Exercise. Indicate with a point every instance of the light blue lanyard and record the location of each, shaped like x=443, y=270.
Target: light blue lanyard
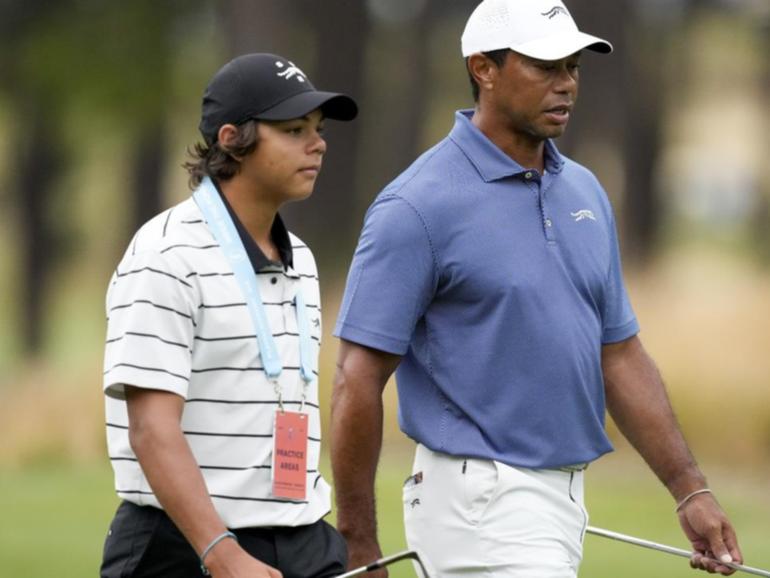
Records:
x=224, y=231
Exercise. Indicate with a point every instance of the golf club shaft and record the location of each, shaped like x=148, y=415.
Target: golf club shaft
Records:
x=381, y=563
x=667, y=549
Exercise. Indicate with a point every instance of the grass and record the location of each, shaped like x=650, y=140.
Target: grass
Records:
x=54, y=519
x=705, y=319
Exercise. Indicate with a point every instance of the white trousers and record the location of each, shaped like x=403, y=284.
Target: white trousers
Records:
x=472, y=517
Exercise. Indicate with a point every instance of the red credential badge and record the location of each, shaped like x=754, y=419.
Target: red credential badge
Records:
x=290, y=455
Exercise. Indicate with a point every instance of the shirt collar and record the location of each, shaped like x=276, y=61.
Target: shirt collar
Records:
x=278, y=233
x=490, y=161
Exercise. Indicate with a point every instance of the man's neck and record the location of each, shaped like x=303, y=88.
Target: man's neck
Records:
x=526, y=150
x=255, y=211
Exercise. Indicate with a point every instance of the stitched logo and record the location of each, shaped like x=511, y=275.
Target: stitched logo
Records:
x=583, y=214
x=415, y=502
x=555, y=11
x=291, y=72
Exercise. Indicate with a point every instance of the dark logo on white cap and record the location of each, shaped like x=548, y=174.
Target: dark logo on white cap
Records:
x=555, y=11
x=292, y=71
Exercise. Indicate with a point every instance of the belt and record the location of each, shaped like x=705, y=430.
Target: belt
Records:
x=573, y=468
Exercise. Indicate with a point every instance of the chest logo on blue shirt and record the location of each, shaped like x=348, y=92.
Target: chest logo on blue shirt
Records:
x=583, y=214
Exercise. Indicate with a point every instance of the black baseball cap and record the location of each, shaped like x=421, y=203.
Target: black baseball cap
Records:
x=265, y=87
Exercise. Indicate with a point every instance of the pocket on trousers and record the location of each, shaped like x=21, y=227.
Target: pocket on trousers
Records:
x=127, y=540
x=479, y=484
x=411, y=496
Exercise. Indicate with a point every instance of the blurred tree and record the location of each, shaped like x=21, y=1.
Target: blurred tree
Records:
x=342, y=28
x=37, y=160
x=103, y=60
x=261, y=26
x=617, y=129
x=129, y=80
x=643, y=95
x=399, y=86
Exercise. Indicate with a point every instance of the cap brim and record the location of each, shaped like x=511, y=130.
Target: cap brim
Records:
x=333, y=105
x=555, y=48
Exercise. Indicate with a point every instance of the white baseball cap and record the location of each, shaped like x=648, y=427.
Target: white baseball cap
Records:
x=542, y=29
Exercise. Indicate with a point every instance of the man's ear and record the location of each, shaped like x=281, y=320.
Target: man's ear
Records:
x=483, y=70
x=226, y=136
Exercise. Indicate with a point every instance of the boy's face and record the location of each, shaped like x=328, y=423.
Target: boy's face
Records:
x=287, y=159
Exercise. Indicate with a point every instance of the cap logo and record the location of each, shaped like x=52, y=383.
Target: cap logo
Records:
x=291, y=72
x=555, y=11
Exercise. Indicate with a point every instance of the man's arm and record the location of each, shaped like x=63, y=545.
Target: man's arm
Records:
x=156, y=437
x=639, y=405
x=356, y=435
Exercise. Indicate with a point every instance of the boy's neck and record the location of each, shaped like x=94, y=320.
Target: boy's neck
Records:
x=255, y=211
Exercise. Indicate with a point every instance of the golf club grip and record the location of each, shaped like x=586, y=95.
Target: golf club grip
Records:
x=667, y=549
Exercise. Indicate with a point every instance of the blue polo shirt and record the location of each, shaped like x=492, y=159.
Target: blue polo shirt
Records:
x=498, y=286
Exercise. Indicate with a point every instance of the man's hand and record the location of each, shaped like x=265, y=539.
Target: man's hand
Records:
x=711, y=534
x=228, y=560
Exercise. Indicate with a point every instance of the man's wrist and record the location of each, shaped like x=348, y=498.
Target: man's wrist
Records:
x=684, y=501
x=685, y=483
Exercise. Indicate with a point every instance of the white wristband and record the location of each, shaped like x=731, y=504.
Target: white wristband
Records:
x=691, y=495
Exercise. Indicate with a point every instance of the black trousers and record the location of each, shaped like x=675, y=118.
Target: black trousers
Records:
x=143, y=542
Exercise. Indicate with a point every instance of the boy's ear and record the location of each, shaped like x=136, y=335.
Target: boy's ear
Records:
x=225, y=137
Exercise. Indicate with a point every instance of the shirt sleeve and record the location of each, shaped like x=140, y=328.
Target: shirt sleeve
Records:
x=151, y=312
x=392, y=278
x=619, y=321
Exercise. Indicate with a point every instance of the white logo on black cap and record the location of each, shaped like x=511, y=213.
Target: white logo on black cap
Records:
x=290, y=72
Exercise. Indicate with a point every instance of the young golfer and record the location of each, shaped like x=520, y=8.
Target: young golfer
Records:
x=489, y=274
x=210, y=369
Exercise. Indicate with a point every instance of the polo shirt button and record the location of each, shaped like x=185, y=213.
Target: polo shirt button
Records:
x=274, y=280
x=548, y=222
x=528, y=175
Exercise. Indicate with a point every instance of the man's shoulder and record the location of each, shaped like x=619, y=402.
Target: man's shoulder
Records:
x=429, y=168
x=426, y=184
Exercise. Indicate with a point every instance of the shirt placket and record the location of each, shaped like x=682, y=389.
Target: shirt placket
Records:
x=540, y=185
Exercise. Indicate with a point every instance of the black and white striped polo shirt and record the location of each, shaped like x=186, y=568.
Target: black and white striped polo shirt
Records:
x=177, y=321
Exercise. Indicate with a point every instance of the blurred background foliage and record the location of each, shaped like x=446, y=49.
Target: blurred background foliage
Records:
x=99, y=101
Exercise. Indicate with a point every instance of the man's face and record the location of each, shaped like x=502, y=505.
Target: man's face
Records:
x=534, y=98
x=288, y=156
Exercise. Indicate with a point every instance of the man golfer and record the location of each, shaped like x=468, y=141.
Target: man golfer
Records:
x=488, y=276
x=210, y=368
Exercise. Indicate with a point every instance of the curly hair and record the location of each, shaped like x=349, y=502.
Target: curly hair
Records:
x=218, y=161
